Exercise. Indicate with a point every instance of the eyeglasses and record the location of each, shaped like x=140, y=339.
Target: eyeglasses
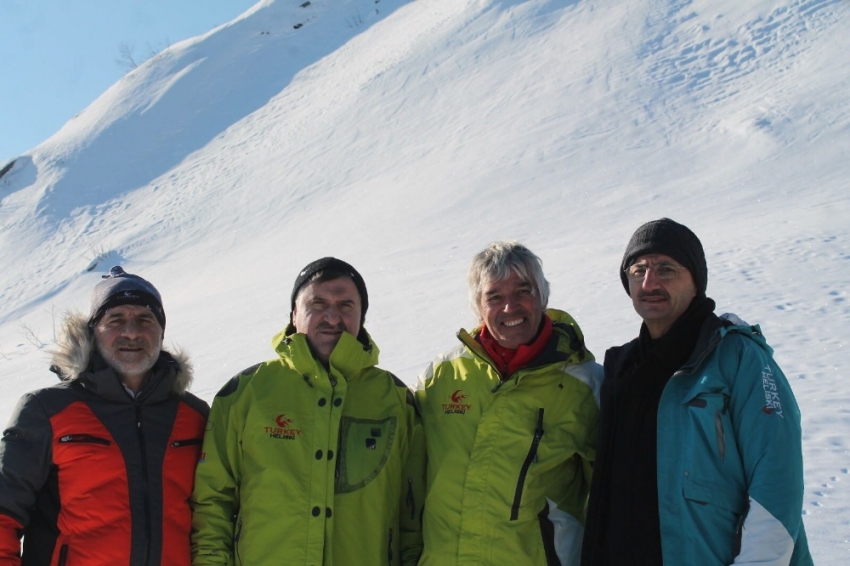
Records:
x=664, y=271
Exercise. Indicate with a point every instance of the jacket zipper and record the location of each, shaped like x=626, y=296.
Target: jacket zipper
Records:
x=718, y=426
x=186, y=442
x=390, y=548
x=739, y=528
x=63, y=555
x=145, y=482
x=721, y=436
x=237, y=535
x=531, y=457
x=410, y=500
x=84, y=438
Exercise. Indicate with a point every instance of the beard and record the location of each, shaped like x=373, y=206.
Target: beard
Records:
x=130, y=363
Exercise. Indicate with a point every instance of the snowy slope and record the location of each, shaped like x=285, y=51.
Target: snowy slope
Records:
x=405, y=136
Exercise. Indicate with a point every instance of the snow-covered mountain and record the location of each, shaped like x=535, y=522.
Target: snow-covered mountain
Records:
x=403, y=136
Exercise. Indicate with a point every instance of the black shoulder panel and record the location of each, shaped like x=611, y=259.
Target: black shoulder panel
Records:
x=197, y=404
x=408, y=393
x=231, y=386
x=397, y=381
x=576, y=344
x=411, y=400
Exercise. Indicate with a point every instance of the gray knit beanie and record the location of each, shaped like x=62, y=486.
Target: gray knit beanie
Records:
x=670, y=238
x=121, y=288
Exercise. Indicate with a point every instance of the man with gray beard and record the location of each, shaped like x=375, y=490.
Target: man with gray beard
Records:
x=99, y=468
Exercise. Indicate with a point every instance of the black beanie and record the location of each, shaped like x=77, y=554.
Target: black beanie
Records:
x=336, y=265
x=670, y=238
x=121, y=288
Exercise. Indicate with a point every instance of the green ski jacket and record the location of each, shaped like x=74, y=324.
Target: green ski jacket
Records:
x=509, y=461
x=306, y=466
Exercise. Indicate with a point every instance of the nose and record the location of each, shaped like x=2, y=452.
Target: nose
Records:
x=332, y=314
x=651, y=280
x=131, y=328
x=510, y=304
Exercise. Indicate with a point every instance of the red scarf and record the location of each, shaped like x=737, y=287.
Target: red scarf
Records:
x=510, y=360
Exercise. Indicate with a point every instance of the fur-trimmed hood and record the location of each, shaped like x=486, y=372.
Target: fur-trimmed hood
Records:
x=72, y=354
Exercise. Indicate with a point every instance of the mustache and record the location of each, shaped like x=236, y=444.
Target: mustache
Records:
x=130, y=343
x=654, y=293
x=327, y=326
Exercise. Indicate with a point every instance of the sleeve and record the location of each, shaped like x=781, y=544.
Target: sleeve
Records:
x=766, y=421
x=25, y=456
x=413, y=492
x=567, y=514
x=215, y=500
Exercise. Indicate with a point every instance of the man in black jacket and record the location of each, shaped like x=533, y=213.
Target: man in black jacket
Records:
x=699, y=459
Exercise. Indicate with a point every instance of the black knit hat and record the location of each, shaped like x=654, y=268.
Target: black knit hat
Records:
x=122, y=288
x=670, y=238
x=334, y=265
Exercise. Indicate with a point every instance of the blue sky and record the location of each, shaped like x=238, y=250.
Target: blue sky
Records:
x=56, y=57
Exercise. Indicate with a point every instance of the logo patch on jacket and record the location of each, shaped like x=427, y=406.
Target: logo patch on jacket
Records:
x=283, y=429
x=457, y=406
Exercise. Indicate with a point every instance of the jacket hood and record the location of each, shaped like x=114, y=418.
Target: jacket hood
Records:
x=72, y=354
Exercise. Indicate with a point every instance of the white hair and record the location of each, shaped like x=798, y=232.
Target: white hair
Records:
x=496, y=262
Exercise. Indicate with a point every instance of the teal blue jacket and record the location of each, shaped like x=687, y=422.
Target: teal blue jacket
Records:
x=730, y=463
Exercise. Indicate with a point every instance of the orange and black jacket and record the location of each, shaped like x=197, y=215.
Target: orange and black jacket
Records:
x=90, y=476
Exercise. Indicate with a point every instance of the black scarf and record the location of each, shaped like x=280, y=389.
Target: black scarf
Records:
x=623, y=525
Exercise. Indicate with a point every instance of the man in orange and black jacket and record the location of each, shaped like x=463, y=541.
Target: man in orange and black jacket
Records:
x=98, y=469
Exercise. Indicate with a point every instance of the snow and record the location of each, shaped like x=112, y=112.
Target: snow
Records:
x=403, y=137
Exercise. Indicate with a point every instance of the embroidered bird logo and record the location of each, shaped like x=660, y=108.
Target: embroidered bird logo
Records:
x=458, y=396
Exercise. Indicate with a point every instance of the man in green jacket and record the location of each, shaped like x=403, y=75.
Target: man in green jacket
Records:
x=510, y=425
x=314, y=457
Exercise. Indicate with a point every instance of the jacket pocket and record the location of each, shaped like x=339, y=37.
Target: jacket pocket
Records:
x=716, y=495
x=83, y=439
x=63, y=555
x=708, y=412
x=529, y=459
x=365, y=446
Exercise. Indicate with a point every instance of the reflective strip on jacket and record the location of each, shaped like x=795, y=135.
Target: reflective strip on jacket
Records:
x=509, y=463
x=303, y=466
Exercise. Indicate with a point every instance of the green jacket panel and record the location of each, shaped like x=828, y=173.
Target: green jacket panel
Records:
x=509, y=462
x=306, y=466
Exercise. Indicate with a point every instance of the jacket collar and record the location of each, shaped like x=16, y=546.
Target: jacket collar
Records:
x=103, y=381
x=566, y=345
x=348, y=359
x=712, y=332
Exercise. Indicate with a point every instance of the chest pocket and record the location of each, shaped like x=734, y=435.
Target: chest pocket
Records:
x=364, y=448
